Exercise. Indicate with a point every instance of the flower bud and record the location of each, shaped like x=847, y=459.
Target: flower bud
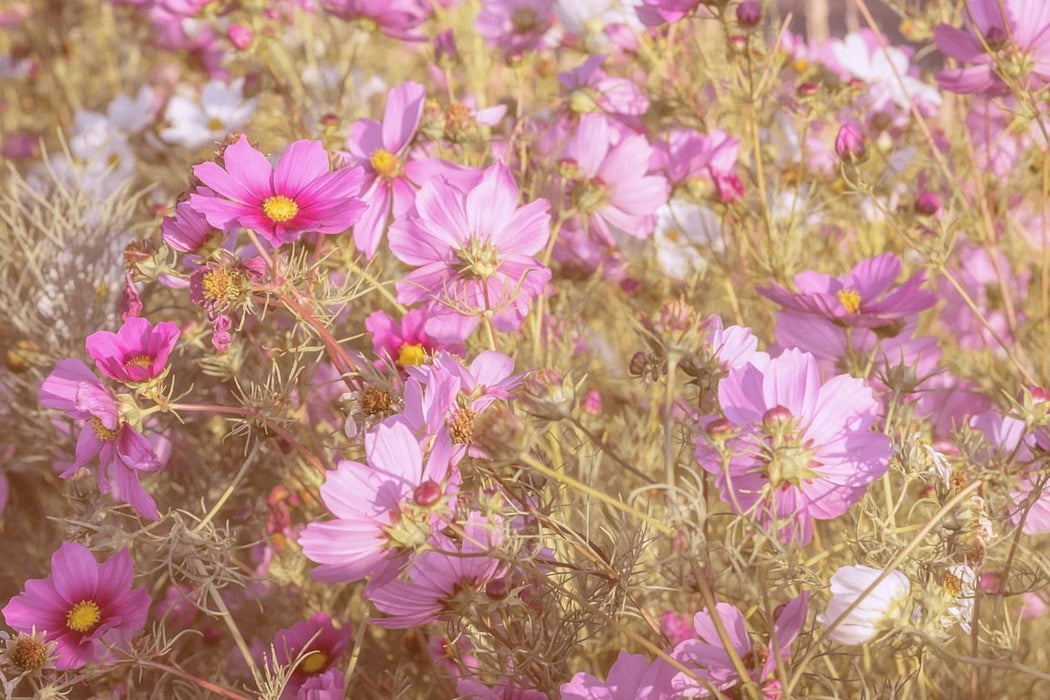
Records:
x=427, y=494
x=850, y=146
x=737, y=44
x=927, y=204
x=497, y=588
x=719, y=428
x=807, y=89
x=749, y=13
x=778, y=415
x=240, y=35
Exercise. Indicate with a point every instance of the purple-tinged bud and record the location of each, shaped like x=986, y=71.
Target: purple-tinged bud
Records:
x=778, y=415
x=996, y=38
x=639, y=364
x=240, y=35
x=1039, y=394
x=427, y=494
x=927, y=204
x=737, y=44
x=497, y=588
x=807, y=89
x=719, y=428
x=849, y=145
x=749, y=13
x=445, y=46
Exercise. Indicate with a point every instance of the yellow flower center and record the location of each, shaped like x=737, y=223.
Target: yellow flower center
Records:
x=215, y=124
x=315, y=662
x=280, y=208
x=953, y=585
x=138, y=361
x=411, y=354
x=84, y=616
x=104, y=434
x=385, y=163
x=478, y=260
x=850, y=300
x=222, y=285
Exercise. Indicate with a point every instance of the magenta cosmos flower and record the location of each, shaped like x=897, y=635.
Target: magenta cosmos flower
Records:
x=136, y=353
x=862, y=298
x=82, y=607
x=516, y=26
x=122, y=451
x=319, y=645
x=406, y=342
x=382, y=510
x=299, y=196
x=631, y=677
x=473, y=249
x=710, y=661
x=800, y=450
x=1009, y=37
x=608, y=181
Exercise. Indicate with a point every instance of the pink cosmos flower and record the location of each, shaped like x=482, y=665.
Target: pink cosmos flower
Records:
x=711, y=661
x=733, y=346
x=136, y=353
x=516, y=26
x=653, y=13
x=473, y=249
x=861, y=298
x=631, y=677
x=398, y=19
x=188, y=230
x=383, y=509
x=440, y=580
x=800, y=450
x=1031, y=496
x=591, y=88
x=687, y=155
x=82, y=607
x=382, y=149
x=981, y=275
x=405, y=342
x=1011, y=36
x=299, y=196
x=608, y=182
x=122, y=450
x=319, y=645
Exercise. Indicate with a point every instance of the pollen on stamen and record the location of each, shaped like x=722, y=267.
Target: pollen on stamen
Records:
x=102, y=432
x=385, y=163
x=84, y=616
x=279, y=208
x=314, y=663
x=850, y=300
x=139, y=361
x=411, y=354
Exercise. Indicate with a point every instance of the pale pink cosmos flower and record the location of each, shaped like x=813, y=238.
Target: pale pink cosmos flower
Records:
x=299, y=196
x=800, y=449
x=1031, y=495
x=443, y=581
x=607, y=180
x=122, y=450
x=317, y=643
x=473, y=249
x=631, y=677
x=1000, y=35
x=83, y=607
x=382, y=150
x=516, y=26
x=981, y=274
x=653, y=13
x=710, y=661
x=590, y=88
x=136, y=353
x=687, y=155
x=382, y=510
x=865, y=297
x=398, y=19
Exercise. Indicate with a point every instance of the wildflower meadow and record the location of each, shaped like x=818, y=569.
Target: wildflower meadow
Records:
x=524, y=349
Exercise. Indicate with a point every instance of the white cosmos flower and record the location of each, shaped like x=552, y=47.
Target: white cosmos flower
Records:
x=222, y=109
x=683, y=230
x=874, y=613
x=959, y=585
x=132, y=114
x=885, y=72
